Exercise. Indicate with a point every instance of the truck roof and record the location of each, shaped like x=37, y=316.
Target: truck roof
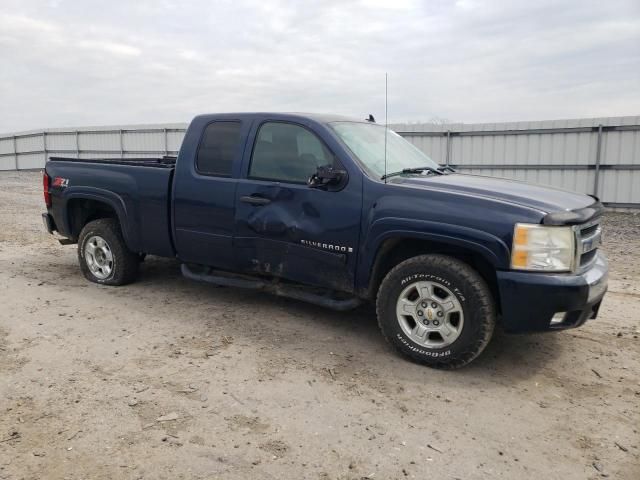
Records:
x=317, y=117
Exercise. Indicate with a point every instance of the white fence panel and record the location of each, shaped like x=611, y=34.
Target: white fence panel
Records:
x=146, y=141
x=61, y=141
x=29, y=161
x=99, y=141
x=598, y=156
x=6, y=145
x=174, y=140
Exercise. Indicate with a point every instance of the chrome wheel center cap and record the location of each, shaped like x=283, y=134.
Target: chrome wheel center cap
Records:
x=430, y=314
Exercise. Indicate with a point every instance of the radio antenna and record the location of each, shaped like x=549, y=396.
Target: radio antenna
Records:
x=386, y=123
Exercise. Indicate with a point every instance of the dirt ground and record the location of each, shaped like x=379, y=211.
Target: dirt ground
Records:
x=172, y=379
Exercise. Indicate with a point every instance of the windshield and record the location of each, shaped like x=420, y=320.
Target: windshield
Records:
x=366, y=141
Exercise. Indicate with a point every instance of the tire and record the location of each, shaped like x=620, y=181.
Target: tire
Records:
x=436, y=310
x=103, y=255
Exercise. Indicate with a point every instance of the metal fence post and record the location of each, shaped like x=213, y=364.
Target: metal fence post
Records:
x=448, y=159
x=598, y=154
x=121, y=144
x=44, y=146
x=77, y=144
x=166, y=141
x=15, y=151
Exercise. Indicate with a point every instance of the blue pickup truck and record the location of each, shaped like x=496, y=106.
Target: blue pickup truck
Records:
x=338, y=212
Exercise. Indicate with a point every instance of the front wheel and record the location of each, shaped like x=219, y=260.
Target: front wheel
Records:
x=437, y=310
x=103, y=255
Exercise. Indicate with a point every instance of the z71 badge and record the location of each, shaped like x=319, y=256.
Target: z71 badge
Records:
x=60, y=182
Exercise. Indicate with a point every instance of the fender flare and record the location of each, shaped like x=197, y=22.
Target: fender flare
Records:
x=491, y=248
x=109, y=198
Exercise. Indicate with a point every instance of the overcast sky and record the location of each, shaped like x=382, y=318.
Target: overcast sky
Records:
x=85, y=62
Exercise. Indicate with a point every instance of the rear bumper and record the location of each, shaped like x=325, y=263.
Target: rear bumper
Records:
x=49, y=224
x=531, y=300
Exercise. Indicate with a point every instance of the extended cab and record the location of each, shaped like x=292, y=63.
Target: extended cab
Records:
x=338, y=212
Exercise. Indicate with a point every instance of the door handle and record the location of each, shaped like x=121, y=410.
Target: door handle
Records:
x=255, y=200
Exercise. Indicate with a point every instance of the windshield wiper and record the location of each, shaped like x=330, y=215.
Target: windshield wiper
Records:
x=445, y=168
x=405, y=171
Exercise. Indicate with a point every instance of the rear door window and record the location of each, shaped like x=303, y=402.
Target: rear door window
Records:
x=218, y=148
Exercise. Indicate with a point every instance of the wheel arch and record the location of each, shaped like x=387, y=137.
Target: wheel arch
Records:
x=395, y=249
x=84, y=207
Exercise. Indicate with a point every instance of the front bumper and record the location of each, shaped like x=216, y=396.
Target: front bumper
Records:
x=531, y=300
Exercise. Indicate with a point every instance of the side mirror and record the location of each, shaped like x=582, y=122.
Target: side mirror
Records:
x=326, y=175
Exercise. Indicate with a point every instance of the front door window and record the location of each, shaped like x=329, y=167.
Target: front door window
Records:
x=289, y=153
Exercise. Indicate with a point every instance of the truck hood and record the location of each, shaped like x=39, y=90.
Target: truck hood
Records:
x=544, y=199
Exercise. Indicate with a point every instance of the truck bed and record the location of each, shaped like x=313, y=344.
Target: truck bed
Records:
x=138, y=190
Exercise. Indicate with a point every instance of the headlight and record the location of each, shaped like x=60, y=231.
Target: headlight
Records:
x=544, y=248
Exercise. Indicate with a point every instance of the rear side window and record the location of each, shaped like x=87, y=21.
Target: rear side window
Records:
x=218, y=148
x=287, y=153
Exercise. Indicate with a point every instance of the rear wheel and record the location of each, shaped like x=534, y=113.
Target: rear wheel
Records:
x=437, y=310
x=103, y=255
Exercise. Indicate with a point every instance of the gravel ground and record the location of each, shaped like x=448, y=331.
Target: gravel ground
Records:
x=167, y=378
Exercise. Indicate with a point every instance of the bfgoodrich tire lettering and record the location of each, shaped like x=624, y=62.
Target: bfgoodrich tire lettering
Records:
x=458, y=288
x=123, y=268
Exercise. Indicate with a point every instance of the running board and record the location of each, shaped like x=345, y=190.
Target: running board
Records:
x=305, y=294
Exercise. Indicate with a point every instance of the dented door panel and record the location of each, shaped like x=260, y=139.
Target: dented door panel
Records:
x=304, y=235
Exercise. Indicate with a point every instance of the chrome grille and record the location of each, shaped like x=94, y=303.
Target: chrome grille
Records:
x=588, y=239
